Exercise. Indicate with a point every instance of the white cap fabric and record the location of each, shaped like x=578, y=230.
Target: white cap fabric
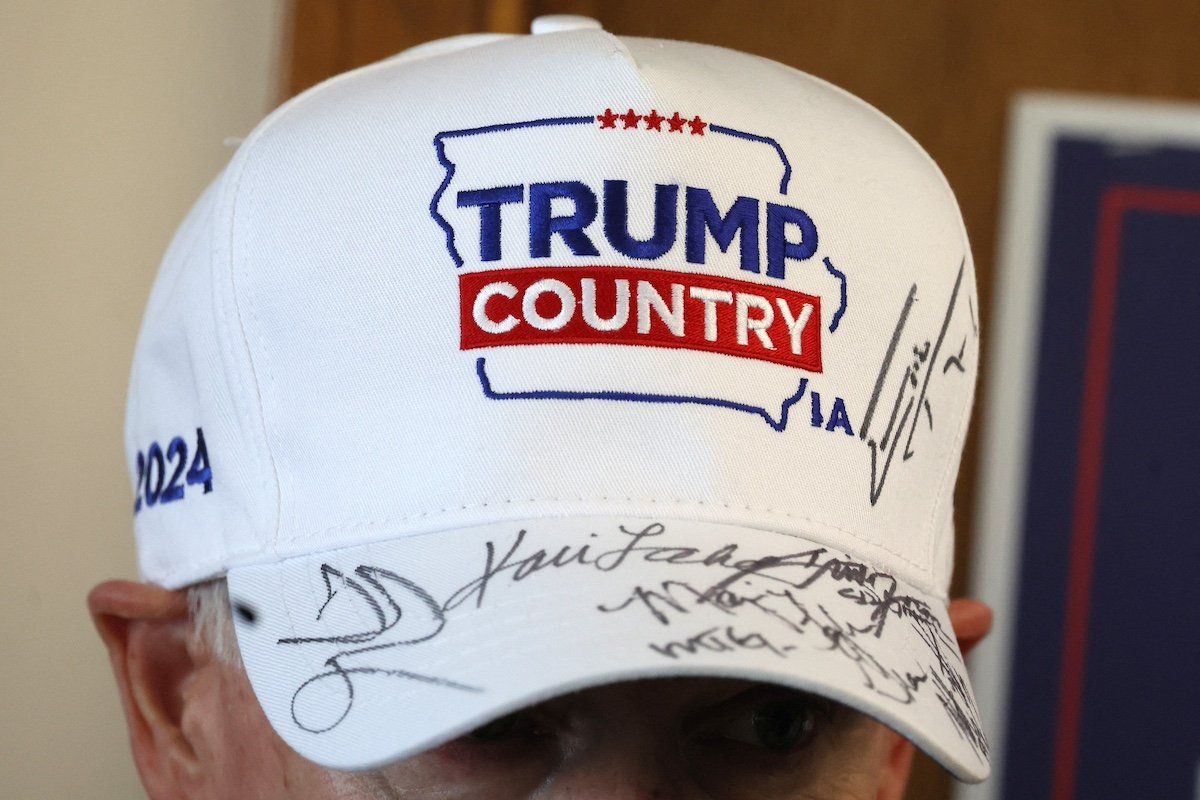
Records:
x=514, y=365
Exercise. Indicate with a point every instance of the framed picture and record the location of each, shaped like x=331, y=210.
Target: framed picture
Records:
x=1088, y=521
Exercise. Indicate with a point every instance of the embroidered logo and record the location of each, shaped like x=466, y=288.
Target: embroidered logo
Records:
x=619, y=237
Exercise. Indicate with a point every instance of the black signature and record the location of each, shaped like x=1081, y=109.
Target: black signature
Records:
x=404, y=614
x=779, y=600
x=781, y=606
x=873, y=592
x=378, y=589
x=717, y=639
x=913, y=396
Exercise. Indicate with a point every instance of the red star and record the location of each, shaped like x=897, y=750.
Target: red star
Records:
x=654, y=121
x=697, y=125
x=630, y=119
x=676, y=122
x=608, y=119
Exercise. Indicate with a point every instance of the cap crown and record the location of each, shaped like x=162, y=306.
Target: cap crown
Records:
x=558, y=275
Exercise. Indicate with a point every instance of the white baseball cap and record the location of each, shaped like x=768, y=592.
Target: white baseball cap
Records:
x=513, y=365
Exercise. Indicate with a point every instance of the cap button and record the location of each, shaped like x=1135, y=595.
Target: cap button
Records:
x=558, y=23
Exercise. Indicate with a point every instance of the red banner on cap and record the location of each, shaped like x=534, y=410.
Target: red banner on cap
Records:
x=639, y=306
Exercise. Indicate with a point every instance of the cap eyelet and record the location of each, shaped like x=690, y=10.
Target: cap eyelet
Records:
x=245, y=613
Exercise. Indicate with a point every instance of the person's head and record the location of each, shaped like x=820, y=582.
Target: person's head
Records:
x=492, y=440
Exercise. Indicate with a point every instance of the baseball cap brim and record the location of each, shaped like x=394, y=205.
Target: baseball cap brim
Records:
x=365, y=655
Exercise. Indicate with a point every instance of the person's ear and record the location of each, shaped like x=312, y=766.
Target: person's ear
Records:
x=898, y=768
x=147, y=632
x=971, y=621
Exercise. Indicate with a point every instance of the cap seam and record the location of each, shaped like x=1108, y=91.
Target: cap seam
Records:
x=234, y=196
x=238, y=172
x=948, y=193
x=233, y=193
x=256, y=557
x=946, y=486
x=511, y=501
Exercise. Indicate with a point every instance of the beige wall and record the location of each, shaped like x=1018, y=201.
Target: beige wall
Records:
x=112, y=117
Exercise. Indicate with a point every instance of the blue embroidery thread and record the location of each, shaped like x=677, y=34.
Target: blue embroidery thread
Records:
x=841, y=276
x=439, y=146
x=779, y=424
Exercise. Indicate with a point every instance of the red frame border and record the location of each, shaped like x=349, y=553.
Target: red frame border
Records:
x=1114, y=204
